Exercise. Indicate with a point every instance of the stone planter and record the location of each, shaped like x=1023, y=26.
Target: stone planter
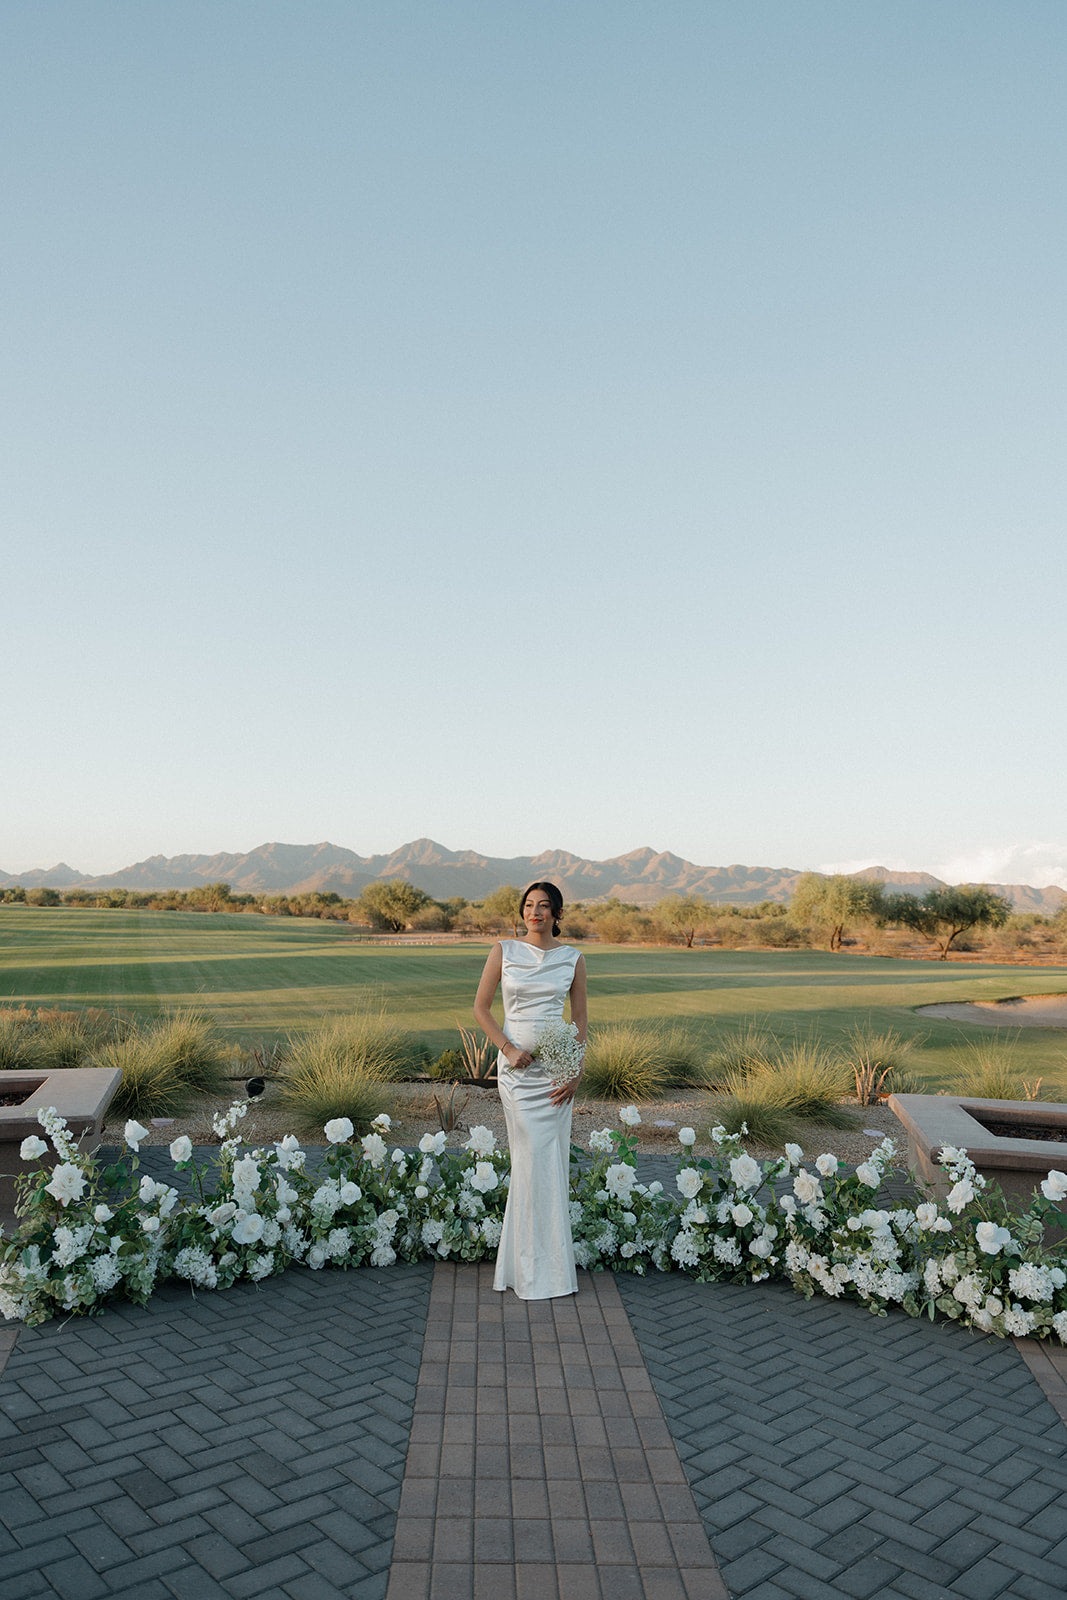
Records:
x=80, y=1094
x=1017, y=1164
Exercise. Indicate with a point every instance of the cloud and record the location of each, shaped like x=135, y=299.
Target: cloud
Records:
x=1037, y=864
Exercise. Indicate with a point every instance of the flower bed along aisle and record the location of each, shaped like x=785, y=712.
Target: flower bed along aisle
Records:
x=90, y=1233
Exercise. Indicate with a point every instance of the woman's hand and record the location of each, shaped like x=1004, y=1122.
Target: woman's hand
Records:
x=516, y=1058
x=565, y=1091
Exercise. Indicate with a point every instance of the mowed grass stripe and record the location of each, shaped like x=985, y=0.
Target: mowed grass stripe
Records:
x=263, y=977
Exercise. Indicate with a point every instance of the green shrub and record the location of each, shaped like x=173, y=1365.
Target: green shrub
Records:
x=988, y=1070
x=750, y=1104
x=16, y=1040
x=623, y=1063
x=449, y=1065
x=874, y=1059
x=341, y=1071
x=809, y=1082
x=188, y=1042
x=152, y=1085
x=682, y=1059
x=750, y=1048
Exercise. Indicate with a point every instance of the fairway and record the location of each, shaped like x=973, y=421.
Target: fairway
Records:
x=262, y=977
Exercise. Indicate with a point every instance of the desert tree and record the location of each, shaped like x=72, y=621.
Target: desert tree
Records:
x=941, y=915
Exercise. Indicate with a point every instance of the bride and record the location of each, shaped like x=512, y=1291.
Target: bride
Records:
x=536, y=975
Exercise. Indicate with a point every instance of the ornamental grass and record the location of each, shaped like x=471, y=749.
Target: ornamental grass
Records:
x=682, y=1058
x=188, y=1041
x=878, y=1063
x=342, y=1070
x=623, y=1062
x=751, y=1106
x=809, y=1082
x=988, y=1070
x=152, y=1082
x=748, y=1049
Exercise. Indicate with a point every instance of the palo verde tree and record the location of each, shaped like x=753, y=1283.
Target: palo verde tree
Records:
x=941, y=915
x=833, y=903
x=391, y=903
x=502, y=905
x=682, y=914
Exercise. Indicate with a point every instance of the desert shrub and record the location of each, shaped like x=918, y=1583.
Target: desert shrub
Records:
x=342, y=1070
x=809, y=1082
x=188, y=1042
x=748, y=1049
x=989, y=1070
x=16, y=1039
x=449, y=1065
x=877, y=1061
x=750, y=1106
x=152, y=1085
x=901, y=1081
x=682, y=1059
x=623, y=1063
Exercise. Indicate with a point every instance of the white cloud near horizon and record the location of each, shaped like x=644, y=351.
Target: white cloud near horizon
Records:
x=1038, y=864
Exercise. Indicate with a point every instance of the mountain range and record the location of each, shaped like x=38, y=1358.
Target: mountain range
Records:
x=642, y=876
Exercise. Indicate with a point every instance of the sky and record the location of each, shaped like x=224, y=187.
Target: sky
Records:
x=535, y=426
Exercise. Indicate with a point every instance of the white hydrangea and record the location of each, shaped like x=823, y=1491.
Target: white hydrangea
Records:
x=492, y=1228
x=338, y=1243
x=260, y=1266
x=70, y=1243
x=105, y=1272
x=196, y=1266
x=728, y=1251
x=601, y=1142
x=1034, y=1281
x=685, y=1249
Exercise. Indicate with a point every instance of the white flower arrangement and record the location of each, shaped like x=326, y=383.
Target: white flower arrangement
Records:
x=87, y=1235
x=559, y=1049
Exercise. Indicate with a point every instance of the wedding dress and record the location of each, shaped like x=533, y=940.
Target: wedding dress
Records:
x=536, y=1254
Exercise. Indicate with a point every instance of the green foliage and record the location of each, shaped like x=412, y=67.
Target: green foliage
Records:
x=747, y=1049
x=750, y=1103
x=50, y=1039
x=16, y=1039
x=341, y=1070
x=623, y=1062
x=941, y=915
x=682, y=1059
x=391, y=904
x=989, y=1070
x=449, y=1065
x=877, y=1060
x=187, y=1039
x=809, y=1082
x=683, y=915
x=833, y=903
x=152, y=1084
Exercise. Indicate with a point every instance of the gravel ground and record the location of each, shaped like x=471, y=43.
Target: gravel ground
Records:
x=414, y=1113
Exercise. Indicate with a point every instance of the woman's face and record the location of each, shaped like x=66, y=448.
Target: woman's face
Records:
x=537, y=911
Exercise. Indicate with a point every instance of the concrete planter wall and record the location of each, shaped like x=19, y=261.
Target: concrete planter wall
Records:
x=1017, y=1165
x=80, y=1094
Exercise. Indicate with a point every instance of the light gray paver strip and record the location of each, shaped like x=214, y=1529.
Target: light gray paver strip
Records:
x=243, y=1443
x=836, y=1454
x=540, y=1466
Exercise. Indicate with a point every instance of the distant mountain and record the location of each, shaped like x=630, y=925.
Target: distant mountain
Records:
x=642, y=876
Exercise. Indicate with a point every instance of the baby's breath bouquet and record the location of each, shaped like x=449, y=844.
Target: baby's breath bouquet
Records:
x=561, y=1050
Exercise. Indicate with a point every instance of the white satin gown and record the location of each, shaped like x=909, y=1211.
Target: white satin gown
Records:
x=536, y=1254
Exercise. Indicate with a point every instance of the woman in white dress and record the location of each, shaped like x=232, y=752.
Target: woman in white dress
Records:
x=536, y=976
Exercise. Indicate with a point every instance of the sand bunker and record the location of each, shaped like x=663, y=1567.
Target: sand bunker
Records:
x=1024, y=1011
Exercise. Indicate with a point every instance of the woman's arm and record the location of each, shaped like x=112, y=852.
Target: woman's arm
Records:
x=580, y=1017
x=483, y=1011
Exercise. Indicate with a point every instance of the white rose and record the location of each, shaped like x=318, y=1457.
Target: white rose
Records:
x=657, y=1188
x=482, y=1141
x=133, y=1133
x=741, y=1215
x=1054, y=1187
x=990, y=1238
x=484, y=1177
x=248, y=1229
x=868, y=1174
x=421, y=1191
x=339, y=1130
x=68, y=1183
x=350, y=1193
x=630, y=1116
x=619, y=1180
x=746, y=1173
x=794, y=1154
x=32, y=1147
x=926, y=1214
x=690, y=1182
x=383, y=1122
x=827, y=1165
x=687, y=1136
x=961, y=1195
x=806, y=1188
x=181, y=1149
x=103, y=1214
x=374, y=1149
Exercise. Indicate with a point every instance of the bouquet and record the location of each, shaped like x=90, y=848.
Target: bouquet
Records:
x=561, y=1050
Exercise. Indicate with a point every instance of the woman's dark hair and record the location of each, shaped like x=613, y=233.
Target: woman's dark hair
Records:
x=555, y=900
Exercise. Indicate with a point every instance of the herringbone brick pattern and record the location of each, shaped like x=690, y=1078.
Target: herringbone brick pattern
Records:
x=832, y=1454
x=245, y=1444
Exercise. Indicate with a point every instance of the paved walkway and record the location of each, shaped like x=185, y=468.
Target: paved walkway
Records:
x=260, y=1443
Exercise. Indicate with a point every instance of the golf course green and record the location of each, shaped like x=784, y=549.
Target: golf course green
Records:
x=263, y=977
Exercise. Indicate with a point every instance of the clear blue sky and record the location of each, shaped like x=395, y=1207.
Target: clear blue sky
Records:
x=533, y=426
